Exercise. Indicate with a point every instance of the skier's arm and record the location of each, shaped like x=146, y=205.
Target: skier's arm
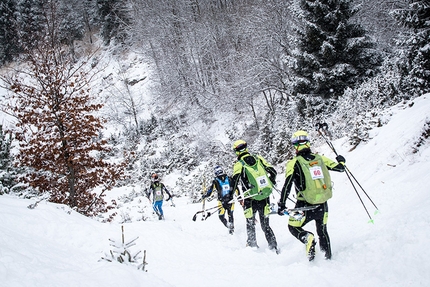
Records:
x=269, y=168
x=286, y=189
x=237, y=171
x=233, y=191
x=210, y=190
x=333, y=165
x=289, y=175
x=149, y=192
x=165, y=190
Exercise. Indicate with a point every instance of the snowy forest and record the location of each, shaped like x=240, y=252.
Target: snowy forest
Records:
x=103, y=93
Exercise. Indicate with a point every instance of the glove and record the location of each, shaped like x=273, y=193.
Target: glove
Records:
x=340, y=159
x=281, y=208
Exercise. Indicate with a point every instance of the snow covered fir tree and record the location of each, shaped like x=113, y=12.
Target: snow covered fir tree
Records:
x=332, y=53
x=97, y=96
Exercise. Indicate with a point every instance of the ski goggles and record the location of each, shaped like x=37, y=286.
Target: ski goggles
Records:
x=241, y=147
x=300, y=140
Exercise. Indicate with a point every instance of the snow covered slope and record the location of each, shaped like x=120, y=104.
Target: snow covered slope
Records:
x=53, y=246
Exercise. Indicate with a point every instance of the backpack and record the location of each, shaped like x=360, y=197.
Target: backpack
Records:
x=158, y=191
x=225, y=187
x=317, y=179
x=261, y=186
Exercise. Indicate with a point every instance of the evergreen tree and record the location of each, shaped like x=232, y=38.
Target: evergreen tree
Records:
x=31, y=19
x=72, y=24
x=8, y=33
x=114, y=18
x=6, y=177
x=415, y=43
x=5, y=145
x=332, y=52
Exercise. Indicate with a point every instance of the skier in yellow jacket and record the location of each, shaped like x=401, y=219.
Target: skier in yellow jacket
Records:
x=309, y=173
x=257, y=178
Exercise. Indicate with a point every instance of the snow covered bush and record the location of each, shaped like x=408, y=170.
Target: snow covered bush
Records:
x=359, y=109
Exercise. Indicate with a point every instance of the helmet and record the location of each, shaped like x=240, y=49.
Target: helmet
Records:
x=240, y=146
x=154, y=177
x=300, y=140
x=218, y=171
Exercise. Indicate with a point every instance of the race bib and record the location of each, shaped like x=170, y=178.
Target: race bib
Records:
x=316, y=172
x=225, y=189
x=262, y=181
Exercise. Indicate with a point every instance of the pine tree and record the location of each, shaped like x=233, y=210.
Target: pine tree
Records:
x=114, y=17
x=5, y=146
x=332, y=52
x=415, y=43
x=8, y=33
x=72, y=25
x=58, y=130
x=6, y=177
x=30, y=21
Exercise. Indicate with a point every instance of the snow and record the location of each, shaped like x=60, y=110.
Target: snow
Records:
x=51, y=245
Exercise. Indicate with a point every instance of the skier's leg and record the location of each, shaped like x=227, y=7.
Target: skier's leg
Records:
x=160, y=207
x=321, y=226
x=306, y=237
x=250, y=223
x=230, y=209
x=263, y=212
x=221, y=214
x=155, y=208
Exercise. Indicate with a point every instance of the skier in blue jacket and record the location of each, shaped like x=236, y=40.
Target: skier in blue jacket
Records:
x=222, y=184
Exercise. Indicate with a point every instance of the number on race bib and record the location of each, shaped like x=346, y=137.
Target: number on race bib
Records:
x=316, y=172
x=262, y=181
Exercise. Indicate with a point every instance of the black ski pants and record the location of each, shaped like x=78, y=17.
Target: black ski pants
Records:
x=258, y=206
x=226, y=207
x=318, y=214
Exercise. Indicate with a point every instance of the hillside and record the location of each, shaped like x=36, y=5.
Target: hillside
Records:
x=53, y=246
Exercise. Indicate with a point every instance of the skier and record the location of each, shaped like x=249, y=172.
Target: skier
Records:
x=256, y=177
x=157, y=189
x=309, y=173
x=221, y=184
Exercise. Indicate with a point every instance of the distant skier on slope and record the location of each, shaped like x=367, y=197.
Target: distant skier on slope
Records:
x=222, y=184
x=309, y=173
x=157, y=189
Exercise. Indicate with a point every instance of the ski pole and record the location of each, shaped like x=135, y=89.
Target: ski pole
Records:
x=349, y=173
x=359, y=197
x=274, y=187
x=204, y=199
x=210, y=213
x=202, y=211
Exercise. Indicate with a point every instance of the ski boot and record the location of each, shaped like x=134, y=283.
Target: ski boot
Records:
x=276, y=249
x=230, y=227
x=310, y=247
